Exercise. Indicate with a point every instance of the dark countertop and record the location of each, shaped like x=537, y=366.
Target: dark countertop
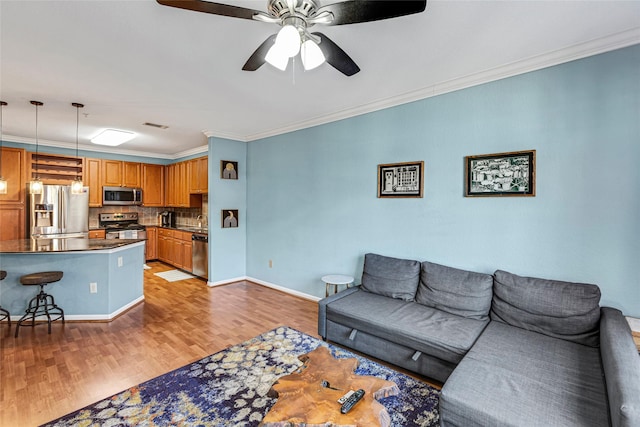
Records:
x=26, y=246
x=186, y=228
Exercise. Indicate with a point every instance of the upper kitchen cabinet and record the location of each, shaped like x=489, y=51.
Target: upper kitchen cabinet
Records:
x=12, y=205
x=93, y=173
x=117, y=173
x=198, y=175
x=178, y=187
x=12, y=169
x=152, y=185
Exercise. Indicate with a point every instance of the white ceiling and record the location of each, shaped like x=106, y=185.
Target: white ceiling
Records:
x=132, y=62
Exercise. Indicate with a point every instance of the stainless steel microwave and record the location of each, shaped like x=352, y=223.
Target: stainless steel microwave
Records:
x=121, y=196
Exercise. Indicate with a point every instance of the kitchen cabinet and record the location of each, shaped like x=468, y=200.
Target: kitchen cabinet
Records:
x=97, y=234
x=93, y=174
x=13, y=167
x=174, y=248
x=198, y=175
x=12, y=218
x=117, y=173
x=152, y=185
x=151, y=248
x=177, y=185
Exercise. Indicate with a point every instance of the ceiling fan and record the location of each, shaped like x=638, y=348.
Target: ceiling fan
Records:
x=296, y=17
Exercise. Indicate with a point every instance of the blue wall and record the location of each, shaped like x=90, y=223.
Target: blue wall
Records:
x=117, y=286
x=227, y=246
x=313, y=208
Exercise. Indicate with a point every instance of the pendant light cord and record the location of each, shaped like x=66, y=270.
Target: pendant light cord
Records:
x=2, y=104
x=78, y=107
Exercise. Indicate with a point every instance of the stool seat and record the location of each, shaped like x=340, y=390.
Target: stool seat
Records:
x=41, y=278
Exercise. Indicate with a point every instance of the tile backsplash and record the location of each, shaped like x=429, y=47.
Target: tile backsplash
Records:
x=151, y=216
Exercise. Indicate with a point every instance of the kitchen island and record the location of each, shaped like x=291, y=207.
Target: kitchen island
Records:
x=102, y=278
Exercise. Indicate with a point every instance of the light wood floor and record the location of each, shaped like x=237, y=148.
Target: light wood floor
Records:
x=43, y=377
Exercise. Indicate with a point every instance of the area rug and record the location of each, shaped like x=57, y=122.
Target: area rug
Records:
x=229, y=388
x=174, y=275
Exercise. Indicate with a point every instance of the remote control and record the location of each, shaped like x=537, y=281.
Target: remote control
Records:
x=351, y=401
x=345, y=397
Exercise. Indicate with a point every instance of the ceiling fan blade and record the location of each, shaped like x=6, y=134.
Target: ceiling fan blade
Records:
x=336, y=57
x=355, y=11
x=214, y=8
x=257, y=59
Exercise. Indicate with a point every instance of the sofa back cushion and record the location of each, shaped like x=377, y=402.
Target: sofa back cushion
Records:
x=564, y=310
x=391, y=277
x=464, y=293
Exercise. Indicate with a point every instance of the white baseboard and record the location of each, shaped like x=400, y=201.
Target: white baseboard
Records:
x=285, y=290
x=95, y=317
x=226, y=281
x=267, y=284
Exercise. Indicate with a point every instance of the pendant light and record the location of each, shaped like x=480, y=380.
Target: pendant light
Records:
x=35, y=186
x=3, y=182
x=77, y=187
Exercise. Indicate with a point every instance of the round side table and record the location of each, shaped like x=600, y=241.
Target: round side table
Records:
x=335, y=280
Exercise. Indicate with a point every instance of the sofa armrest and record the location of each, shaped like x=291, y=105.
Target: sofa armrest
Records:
x=621, y=365
x=322, y=308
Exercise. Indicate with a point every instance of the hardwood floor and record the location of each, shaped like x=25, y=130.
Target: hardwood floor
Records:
x=43, y=376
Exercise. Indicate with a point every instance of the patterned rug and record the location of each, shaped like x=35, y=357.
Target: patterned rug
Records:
x=229, y=388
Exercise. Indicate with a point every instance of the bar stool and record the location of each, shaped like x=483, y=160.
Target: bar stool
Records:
x=43, y=303
x=4, y=314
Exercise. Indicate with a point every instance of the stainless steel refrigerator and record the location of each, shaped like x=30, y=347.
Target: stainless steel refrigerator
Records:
x=57, y=213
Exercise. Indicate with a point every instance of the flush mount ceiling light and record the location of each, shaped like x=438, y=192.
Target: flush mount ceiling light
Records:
x=113, y=137
x=295, y=17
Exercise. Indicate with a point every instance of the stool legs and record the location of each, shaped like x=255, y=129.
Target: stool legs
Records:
x=42, y=304
x=4, y=314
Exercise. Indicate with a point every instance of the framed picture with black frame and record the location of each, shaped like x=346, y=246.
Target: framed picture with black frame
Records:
x=228, y=169
x=501, y=174
x=396, y=180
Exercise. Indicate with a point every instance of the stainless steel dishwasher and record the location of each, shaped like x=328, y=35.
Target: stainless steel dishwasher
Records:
x=200, y=254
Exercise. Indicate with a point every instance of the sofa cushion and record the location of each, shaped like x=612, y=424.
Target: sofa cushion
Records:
x=455, y=291
x=515, y=377
x=565, y=310
x=410, y=324
x=391, y=277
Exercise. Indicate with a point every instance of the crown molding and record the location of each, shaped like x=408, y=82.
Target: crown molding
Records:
x=223, y=135
x=191, y=152
x=98, y=149
x=538, y=62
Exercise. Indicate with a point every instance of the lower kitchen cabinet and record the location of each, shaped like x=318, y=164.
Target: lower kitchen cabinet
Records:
x=97, y=234
x=174, y=248
x=151, y=248
x=12, y=218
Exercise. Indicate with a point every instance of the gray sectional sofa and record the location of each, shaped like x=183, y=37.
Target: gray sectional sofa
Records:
x=510, y=350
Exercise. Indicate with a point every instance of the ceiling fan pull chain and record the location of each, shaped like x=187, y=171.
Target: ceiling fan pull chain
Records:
x=293, y=71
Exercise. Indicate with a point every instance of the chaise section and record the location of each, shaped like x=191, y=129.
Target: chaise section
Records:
x=516, y=377
x=412, y=326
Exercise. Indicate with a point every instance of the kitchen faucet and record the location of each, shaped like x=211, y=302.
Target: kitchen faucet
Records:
x=199, y=218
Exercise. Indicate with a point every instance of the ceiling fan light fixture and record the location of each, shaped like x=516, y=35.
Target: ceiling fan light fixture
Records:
x=277, y=58
x=113, y=137
x=288, y=40
x=312, y=56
